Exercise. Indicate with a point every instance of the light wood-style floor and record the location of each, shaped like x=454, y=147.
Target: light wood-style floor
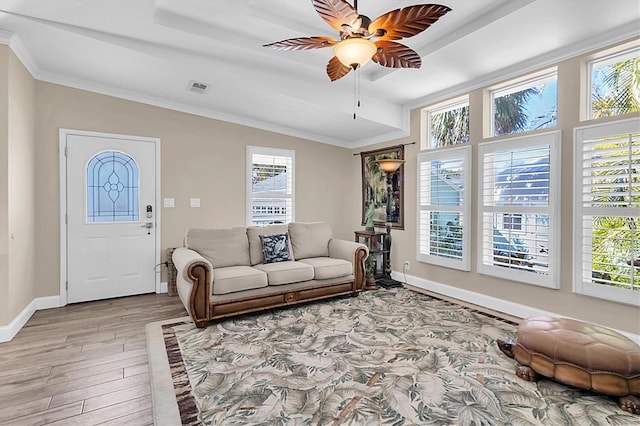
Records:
x=83, y=364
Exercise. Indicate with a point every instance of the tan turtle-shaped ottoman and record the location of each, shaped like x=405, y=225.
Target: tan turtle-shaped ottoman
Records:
x=579, y=354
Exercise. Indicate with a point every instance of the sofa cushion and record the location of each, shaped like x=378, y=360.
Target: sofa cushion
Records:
x=280, y=273
x=327, y=267
x=255, y=245
x=310, y=239
x=221, y=247
x=275, y=248
x=237, y=278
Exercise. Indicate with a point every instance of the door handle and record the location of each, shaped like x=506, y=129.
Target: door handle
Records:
x=147, y=225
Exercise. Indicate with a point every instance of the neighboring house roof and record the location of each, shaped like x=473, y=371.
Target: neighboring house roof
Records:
x=274, y=183
x=525, y=183
x=443, y=185
x=456, y=183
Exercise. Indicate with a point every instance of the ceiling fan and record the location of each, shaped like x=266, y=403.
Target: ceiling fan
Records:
x=362, y=39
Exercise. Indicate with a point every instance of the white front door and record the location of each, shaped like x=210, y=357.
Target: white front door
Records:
x=111, y=215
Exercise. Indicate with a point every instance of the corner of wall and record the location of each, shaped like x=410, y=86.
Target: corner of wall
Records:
x=8, y=332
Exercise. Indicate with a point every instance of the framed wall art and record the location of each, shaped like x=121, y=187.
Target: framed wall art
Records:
x=374, y=187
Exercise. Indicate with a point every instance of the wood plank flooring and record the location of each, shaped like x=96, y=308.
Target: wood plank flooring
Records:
x=83, y=364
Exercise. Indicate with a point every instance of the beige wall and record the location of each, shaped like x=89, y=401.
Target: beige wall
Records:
x=22, y=211
x=562, y=301
x=205, y=158
x=4, y=185
x=17, y=146
x=201, y=158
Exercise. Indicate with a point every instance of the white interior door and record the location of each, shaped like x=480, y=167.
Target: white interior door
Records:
x=111, y=216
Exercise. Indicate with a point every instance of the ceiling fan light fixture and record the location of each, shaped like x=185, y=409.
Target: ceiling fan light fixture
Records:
x=354, y=47
x=355, y=52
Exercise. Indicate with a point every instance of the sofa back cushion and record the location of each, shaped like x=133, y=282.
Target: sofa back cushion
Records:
x=221, y=247
x=310, y=239
x=255, y=244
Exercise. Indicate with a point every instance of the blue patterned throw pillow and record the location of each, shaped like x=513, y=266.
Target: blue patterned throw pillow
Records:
x=275, y=248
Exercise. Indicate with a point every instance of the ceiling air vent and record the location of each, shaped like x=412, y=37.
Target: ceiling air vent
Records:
x=198, y=87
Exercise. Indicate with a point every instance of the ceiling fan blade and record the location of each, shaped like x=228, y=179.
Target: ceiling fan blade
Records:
x=302, y=43
x=335, y=12
x=336, y=69
x=395, y=55
x=407, y=22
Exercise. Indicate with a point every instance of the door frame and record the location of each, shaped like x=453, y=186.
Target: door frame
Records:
x=63, y=133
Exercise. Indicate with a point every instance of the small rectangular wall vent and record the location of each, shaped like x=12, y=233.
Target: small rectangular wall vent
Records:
x=198, y=87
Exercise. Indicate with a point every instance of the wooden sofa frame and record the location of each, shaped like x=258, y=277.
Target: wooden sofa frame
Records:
x=203, y=309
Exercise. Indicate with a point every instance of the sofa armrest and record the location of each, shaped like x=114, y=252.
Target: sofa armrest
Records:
x=356, y=253
x=343, y=249
x=193, y=283
x=183, y=258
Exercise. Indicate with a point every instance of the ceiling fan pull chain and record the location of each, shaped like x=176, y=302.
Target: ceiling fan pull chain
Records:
x=356, y=92
x=358, y=85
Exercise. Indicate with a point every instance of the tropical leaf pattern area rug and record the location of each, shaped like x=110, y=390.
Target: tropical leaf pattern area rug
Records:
x=387, y=357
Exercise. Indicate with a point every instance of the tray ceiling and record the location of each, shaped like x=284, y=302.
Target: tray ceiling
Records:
x=151, y=51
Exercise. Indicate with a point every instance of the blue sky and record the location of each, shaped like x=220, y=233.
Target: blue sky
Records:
x=543, y=107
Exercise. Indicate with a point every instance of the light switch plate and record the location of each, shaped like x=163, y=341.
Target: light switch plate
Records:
x=195, y=202
x=169, y=202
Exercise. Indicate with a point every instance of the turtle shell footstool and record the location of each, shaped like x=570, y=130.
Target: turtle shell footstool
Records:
x=579, y=354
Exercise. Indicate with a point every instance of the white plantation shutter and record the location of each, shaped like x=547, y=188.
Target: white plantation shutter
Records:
x=270, y=185
x=607, y=209
x=444, y=207
x=519, y=210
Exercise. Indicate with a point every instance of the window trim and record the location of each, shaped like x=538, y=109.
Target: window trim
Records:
x=276, y=152
x=554, y=140
x=580, y=134
x=464, y=151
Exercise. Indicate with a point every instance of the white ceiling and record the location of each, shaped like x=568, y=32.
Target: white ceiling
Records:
x=149, y=51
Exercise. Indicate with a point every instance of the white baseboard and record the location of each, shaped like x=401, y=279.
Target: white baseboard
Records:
x=511, y=308
x=8, y=332
x=48, y=302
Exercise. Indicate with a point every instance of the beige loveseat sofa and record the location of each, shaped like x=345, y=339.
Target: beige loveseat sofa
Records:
x=224, y=272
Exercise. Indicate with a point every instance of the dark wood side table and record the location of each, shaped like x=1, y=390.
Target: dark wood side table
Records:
x=375, y=241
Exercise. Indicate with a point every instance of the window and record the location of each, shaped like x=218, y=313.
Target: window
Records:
x=112, y=188
x=444, y=205
x=519, y=211
x=526, y=105
x=615, y=87
x=270, y=189
x=446, y=124
x=607, y=211
x=512, y=221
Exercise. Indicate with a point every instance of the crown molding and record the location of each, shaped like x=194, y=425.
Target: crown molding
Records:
x=5, y=37
x=600, y=41
x=20, y=50
x=585, y=46
x=18, y=47
x=182, y=107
